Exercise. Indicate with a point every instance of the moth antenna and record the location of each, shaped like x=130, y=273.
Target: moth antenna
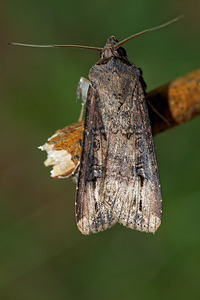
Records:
x=147, y=30
x=56, y=46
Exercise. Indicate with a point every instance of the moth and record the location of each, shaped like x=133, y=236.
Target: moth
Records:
x=118, y=178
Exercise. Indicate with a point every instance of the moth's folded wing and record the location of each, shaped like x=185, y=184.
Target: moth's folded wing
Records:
x=92, y=212
x=132, y=186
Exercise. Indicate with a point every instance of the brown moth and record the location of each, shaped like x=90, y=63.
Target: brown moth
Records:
x=118, y=178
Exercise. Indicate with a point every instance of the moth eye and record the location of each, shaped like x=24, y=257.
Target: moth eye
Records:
x=121, y=51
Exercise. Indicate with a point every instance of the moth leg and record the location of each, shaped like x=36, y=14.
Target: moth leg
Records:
x=76, y=169
x=82, y=93
x=159, y=114
x=75, y=173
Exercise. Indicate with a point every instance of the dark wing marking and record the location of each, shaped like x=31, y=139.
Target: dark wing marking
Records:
x=92, y=212
x=132, y=186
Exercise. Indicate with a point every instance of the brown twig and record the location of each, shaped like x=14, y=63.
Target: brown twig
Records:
x=177, y=101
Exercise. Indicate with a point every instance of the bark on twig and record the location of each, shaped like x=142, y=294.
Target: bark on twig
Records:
x=177, y=101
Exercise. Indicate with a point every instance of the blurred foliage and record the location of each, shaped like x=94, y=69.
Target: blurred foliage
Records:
x=42, y=254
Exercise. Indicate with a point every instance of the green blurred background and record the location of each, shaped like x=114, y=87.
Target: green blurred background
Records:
x=42, y=253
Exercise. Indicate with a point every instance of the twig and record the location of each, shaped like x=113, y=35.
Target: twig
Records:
x=177, y=101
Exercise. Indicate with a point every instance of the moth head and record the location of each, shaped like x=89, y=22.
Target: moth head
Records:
x=110, y=49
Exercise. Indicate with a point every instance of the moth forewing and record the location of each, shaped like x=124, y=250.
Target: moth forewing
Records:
x=118, y=179
x=92, y=213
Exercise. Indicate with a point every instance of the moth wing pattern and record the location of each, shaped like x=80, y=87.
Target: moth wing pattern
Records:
x=93, y=214
x=118, y=179
x=132, y=185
